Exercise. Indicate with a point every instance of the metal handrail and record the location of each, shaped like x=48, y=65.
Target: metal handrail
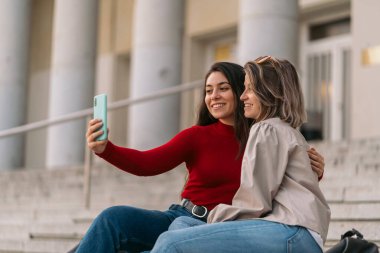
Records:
x=87, y=113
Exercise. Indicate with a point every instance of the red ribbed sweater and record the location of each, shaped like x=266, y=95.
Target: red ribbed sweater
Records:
x=209, y=152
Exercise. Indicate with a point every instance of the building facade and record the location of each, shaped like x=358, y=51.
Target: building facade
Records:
x=55, y=55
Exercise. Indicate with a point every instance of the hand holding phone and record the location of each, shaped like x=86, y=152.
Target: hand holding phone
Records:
x=100, y=112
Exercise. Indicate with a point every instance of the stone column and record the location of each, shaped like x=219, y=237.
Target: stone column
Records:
x=268, y=27
x=72, y=78
x=155, y=65
x=14, y=31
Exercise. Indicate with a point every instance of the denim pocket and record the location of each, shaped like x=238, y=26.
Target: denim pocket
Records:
x=302, y=242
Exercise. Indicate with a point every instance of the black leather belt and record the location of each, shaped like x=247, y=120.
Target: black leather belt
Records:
x=200, y=212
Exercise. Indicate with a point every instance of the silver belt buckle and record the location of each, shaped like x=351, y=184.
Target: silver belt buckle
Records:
x=199, y=216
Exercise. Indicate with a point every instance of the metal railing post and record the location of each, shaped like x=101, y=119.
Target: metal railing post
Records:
x=87, y=174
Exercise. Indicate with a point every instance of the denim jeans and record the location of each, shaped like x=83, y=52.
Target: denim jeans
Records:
x=253, y=236
x=128, y=229
x=185, y=222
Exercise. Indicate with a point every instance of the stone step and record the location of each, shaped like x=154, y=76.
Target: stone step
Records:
x=361, y=170
x=148, y=185
x=109, y=187
x=36, y=246
x=355, y=211
x=142, y=197
x=149, y=202
x=14, y=232
x=99, y=186
x=347, y=182
x=154, y=188
x=22, y=176
x=364, y=146
x=20, y=217
x=350, y=194
x=46, y=206
x=42, y=231
x=138, y=196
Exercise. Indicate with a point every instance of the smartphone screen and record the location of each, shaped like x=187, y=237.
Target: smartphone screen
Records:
x=100, y=112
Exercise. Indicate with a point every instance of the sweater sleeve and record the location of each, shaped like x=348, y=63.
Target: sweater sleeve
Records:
x=155, y=161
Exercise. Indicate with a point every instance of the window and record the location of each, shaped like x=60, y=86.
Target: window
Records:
x=330, y=29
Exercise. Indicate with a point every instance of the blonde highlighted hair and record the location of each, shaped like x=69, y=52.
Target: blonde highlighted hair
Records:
x=276, y=85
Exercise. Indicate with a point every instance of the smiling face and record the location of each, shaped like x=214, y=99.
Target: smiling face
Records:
x=252, y=106
x=220, y=98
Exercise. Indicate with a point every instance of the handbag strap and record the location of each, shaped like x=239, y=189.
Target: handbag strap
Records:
x=351, y=233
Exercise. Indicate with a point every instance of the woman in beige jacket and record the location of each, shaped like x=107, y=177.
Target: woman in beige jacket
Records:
x=279, y=206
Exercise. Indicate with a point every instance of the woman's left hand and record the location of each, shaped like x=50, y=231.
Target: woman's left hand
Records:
x=317, y=162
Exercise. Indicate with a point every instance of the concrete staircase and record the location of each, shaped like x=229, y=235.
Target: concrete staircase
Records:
x=43, y=211
x=350, y=183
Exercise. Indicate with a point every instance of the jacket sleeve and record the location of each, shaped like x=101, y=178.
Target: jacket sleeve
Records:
x=154, y=161
x=264, y=165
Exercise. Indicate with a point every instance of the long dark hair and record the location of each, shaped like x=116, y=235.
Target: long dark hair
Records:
x=235, y=76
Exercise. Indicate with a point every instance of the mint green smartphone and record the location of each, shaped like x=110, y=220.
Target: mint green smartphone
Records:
x=100, y=112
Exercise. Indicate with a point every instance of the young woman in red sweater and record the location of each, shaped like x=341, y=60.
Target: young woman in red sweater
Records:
x=212, y=151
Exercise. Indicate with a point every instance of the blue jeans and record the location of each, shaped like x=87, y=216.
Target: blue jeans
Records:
x=185, y=222
x=253, y=236
x=128, y=229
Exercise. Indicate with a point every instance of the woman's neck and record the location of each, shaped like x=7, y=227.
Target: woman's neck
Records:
x=226, y=122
